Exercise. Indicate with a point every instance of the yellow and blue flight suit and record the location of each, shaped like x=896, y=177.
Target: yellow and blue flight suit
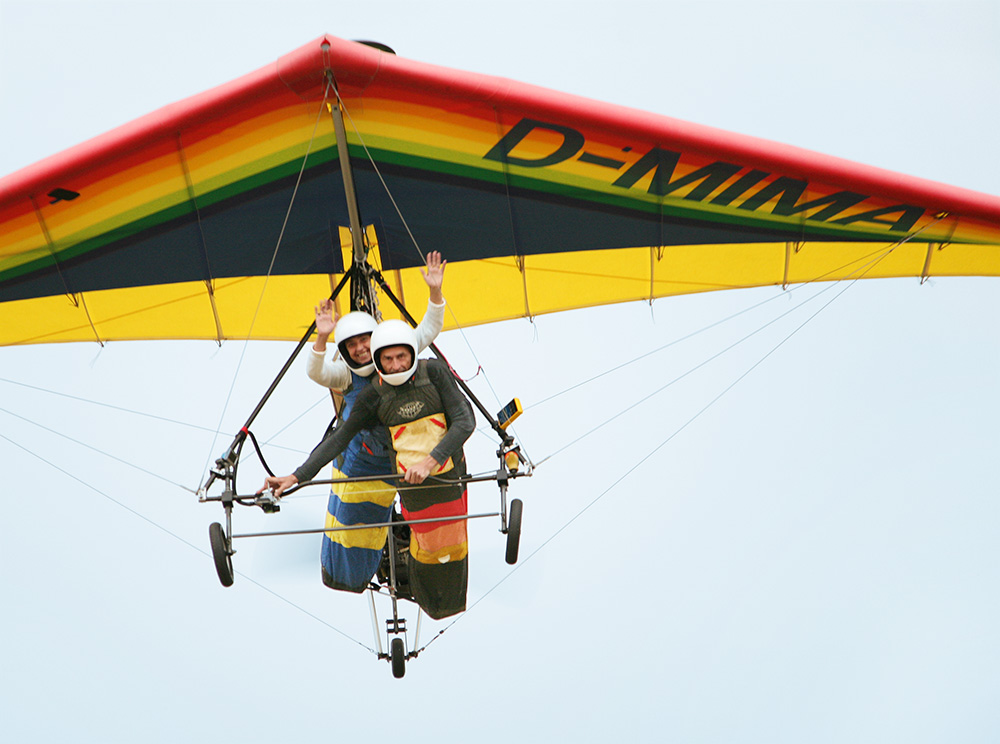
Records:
x=426, y=415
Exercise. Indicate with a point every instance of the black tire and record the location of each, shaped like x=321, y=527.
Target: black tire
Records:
x=397, y=652
x=220, y=553
x=513, y=530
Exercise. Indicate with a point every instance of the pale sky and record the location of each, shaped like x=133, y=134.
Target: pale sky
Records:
x=812, y=559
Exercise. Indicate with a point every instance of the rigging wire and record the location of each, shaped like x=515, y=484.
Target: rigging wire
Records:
x=664, y=347
x=301, y=609
x=174, y=535
x=682, y=376
x=295, y=420
x=669, y=438
x=269, y=441
x=270, y=268
x=110, y=405
x=133, y=412
x=693, y=334
x=875, y=257
x=624, y=475
x=98, y=451
x=98, y=491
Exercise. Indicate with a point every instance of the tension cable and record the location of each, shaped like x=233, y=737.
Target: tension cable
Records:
x=662, y=444
x=270, y=268
x=95, y=449
x=172, y=534
x=863, y=269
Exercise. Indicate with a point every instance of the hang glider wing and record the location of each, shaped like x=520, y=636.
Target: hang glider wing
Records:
x=224, y=215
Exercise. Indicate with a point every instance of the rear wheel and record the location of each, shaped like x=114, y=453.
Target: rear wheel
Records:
x=220, y=553
x=514, y=530
x=397, y=652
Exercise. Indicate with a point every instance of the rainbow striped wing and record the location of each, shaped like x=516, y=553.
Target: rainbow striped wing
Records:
x=224, y=216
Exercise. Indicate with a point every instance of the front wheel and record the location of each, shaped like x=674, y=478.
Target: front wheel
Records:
x=220, y=553
x=397, y=652
x=514, y=530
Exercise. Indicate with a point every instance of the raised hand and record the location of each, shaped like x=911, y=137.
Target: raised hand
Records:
x=326, y=318
x=434, y=276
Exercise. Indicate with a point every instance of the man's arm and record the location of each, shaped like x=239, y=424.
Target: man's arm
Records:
x=332, y=374
x=461, y=421
x=433, y=320
x=363, y=416
x=430, y=325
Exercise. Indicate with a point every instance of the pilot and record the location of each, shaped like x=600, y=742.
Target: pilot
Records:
x=349, y=558
x=427, y=420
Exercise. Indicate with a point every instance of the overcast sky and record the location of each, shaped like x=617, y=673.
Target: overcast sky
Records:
x=811, y=558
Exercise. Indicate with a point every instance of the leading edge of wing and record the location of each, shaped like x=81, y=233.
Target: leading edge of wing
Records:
x=359, y=67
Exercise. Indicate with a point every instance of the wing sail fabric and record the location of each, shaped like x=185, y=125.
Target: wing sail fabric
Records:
x=174, y=226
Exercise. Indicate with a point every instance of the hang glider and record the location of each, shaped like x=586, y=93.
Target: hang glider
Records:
x=229, y=214
x=171, y=226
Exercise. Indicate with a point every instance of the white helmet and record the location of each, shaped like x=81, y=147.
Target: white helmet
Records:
x=394, y=333
x=354, y=324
